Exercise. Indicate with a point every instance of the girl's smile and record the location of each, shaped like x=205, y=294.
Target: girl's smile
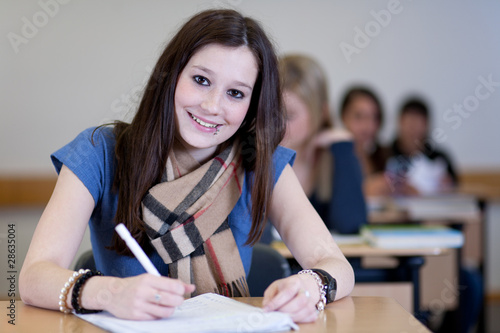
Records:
x=205, y=125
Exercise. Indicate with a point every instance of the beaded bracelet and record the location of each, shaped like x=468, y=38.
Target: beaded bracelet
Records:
x=67, y=286
x=75, y=296
x=320, y=306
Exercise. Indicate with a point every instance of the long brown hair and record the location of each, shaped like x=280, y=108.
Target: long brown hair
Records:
x=143, y=145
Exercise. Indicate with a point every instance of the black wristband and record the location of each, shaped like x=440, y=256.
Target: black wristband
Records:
x=329, y=282
x=75, y=295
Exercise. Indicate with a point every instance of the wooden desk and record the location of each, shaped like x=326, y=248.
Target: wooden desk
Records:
x=462, y=210
x=351, y=314
x=483, y=185
x=365, y=250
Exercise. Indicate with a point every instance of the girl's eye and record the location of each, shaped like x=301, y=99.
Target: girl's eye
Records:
x=235, y=93
x=201, y=80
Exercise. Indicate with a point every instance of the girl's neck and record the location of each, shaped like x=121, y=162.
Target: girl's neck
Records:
x=202, y=155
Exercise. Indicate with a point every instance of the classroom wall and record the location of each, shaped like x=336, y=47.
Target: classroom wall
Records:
x=16, y=229
x=67, y=65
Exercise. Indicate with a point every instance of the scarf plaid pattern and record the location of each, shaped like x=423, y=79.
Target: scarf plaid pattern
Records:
x=186, y=221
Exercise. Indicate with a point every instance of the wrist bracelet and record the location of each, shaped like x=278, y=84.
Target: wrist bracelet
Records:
x=329, y=282
x=75, y=296
x=320, y=306
x=67, y=286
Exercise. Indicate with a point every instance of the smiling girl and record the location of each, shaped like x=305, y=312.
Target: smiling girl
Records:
x=193, y=177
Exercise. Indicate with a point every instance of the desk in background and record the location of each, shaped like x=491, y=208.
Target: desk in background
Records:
x=459, y=211
x=463, y=210
x=365, y=250
x=447, y=208
x=410, y=261
x=351, y=314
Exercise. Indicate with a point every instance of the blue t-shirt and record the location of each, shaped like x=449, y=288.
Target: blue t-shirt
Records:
x=92, y=159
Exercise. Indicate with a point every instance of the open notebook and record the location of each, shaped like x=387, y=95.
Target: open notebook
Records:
x=203, y=313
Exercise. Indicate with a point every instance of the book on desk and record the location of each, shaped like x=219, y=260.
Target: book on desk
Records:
x=412, y=236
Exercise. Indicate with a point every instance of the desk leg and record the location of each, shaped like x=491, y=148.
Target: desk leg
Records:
x=482, y=320
x=413, y=265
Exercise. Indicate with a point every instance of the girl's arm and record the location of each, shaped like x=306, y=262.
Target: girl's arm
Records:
x=53, y=247
x=311, y=244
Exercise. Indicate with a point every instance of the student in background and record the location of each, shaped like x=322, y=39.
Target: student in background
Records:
x=325, y=165
x=417, y=166
x=194, y=177
x=362, y=115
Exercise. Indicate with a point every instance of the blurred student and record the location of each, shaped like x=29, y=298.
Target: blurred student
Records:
x=362, y=115
x=417, y=166
x=326, y=164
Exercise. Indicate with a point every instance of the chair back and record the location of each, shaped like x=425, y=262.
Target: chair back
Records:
x=267, y=266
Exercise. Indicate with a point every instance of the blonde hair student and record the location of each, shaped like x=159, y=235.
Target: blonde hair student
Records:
x=193, y=177
x=326, y=164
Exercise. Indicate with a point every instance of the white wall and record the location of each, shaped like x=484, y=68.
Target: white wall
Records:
x=16, y=228
x=84, y=59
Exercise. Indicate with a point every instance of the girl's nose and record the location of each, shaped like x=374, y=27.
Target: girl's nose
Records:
x=211, y=103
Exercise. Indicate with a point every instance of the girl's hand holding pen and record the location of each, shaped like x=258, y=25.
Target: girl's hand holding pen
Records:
x=145, y=297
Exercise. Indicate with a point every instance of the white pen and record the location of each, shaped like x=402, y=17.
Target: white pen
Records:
x=132, y=244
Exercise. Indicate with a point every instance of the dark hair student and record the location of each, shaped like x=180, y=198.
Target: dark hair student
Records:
x=362, y=115
x=193, y=177
x=417, y=164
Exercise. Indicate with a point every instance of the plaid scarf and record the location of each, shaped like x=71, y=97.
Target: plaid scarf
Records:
x=186, y=220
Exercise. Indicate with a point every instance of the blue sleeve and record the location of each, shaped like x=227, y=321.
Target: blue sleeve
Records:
x=347, y=208
x=90, y=157
x=282, y=156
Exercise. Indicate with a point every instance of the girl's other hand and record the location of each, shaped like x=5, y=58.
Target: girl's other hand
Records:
x=327, y=137
x=296, y=295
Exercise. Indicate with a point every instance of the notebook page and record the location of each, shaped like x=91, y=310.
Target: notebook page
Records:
x=203, y=313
